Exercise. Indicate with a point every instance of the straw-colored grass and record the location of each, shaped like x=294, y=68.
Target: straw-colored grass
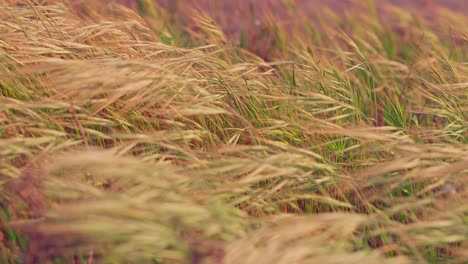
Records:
x=128, y=139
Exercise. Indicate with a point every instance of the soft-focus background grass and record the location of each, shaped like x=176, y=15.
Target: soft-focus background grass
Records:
x=148, y=135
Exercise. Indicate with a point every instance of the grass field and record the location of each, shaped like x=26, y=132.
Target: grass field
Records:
x=147, y=135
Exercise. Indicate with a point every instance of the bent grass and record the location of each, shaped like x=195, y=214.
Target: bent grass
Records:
x=121, y=142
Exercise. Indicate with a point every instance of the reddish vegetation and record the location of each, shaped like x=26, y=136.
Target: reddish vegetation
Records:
x=252, y=16
x=234, y=14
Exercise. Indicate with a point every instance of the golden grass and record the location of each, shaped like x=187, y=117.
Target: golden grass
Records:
x=128, y=139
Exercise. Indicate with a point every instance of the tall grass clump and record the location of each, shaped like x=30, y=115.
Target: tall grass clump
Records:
x=126, y=137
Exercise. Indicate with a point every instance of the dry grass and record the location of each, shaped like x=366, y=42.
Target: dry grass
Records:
x=128, y=139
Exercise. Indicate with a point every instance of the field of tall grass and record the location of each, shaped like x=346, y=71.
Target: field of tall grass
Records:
x=144, y=136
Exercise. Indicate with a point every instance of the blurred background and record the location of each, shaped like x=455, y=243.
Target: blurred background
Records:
x=252, y=23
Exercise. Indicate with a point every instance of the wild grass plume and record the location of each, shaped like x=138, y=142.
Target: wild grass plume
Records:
x=153, y=133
